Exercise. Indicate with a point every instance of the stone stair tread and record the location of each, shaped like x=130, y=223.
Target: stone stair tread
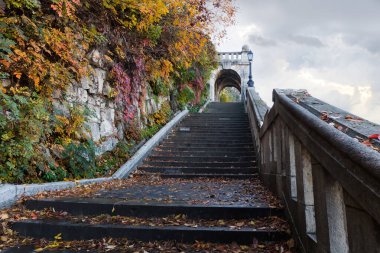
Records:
x=203, y=175
x=143, y=209
x=74, y=231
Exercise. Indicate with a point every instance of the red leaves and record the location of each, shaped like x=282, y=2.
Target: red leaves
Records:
x=353, y=118
x=374, y=136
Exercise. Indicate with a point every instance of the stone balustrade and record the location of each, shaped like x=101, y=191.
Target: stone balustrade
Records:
x=311, y=156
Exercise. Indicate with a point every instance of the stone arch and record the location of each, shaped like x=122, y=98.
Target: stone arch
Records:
x=227, y=78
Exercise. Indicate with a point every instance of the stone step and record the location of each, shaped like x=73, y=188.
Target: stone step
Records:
x=146, y=209
x=199, y=164
x=206, y=149
x=201, y=159
x=221, y=116
x=214, y=122
x=183, y=128
x=211, y=131
x=211, y=134
x=198, y=175
x=73, y=231
x=197, y=170
x=209, y=139
x=206, y=145
x=212, y=126
x=205, y=142
x=207, y=153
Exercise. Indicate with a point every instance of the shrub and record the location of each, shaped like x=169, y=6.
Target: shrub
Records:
x=79, y=159
x=186, y=95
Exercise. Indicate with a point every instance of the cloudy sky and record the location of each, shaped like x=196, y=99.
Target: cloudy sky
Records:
x=331, y=48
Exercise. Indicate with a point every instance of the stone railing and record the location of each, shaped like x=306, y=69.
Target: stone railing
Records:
x=311, y=156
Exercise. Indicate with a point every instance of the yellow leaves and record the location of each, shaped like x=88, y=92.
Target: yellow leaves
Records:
x=54, y=244
x=70, y=127
x=20, y=53
x=161, y=68
x=58, y=237
x=6, y=137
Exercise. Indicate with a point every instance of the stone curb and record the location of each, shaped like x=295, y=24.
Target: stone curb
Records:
x=9, y=193
x=204, y=106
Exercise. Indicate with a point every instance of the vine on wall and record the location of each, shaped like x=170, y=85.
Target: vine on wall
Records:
x=44, y=47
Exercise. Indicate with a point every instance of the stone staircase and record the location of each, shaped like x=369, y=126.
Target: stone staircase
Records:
x=217, y=143
x=204, y=172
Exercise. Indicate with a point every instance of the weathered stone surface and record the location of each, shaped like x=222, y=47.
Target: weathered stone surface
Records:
x=107, y=89
x=107, y=145
x=108, y=114
x=94, y=131
x=85, y=82
x=94, y=115
x=100, y=77
x=60, y=108
x=106, y=128
x=82, y=95
x=96, y=58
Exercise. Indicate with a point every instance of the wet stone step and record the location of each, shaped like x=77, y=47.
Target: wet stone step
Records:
x=205, y=149
x=211, y=139
x=201, y=153
x=198, y=175
x=190, y=143
x=205, y=146
x=182, y=139
x=73, y=231
x=199, y=164
x=201, y=158
x=210, y=134
x=199, y=170
x=99, y=206
x=216, y=130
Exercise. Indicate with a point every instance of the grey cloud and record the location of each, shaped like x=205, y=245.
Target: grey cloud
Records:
x=306, y=40
x=261, y=41
x=334, y=41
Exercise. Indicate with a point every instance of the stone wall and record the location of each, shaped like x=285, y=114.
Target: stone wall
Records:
x=95, y=92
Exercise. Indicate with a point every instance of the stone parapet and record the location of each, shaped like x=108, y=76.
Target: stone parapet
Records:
x=311, y=156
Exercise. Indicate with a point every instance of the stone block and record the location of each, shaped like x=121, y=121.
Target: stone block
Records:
x=95, y=114
x=96, y=58
x=100, y=77
x=107, y=89
x=94, y=131
x=60, y=109
x=82, y=95
x=85, y=82
x=108, y=114
x=106, y=128
x=107, y=145
x=71, y=90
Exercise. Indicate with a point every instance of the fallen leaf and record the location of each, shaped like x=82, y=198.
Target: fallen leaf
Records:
x=58, y=237
x=4, y=216
x=374, y=136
